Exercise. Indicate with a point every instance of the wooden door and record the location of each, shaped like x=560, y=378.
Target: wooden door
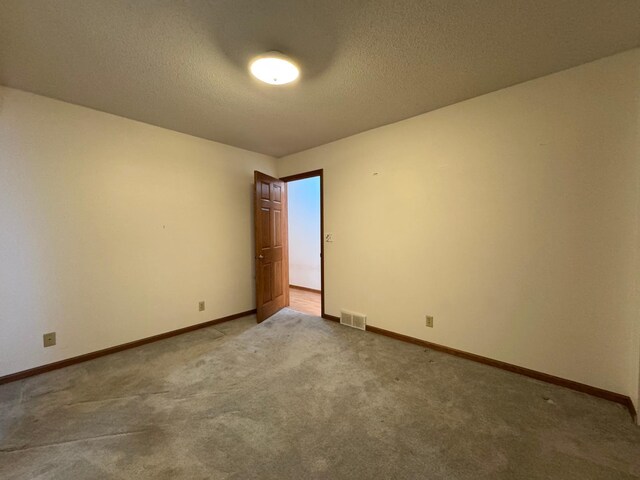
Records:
x=272, y=249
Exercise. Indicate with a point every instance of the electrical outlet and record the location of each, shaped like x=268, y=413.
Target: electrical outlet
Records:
x=328, y=237
x=201, y=306
x=429, y=322
x=49, y=339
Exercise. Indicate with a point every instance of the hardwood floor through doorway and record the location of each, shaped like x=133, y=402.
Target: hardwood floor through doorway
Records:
x=305, y=301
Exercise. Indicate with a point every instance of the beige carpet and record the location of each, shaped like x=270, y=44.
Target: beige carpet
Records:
x=298, y=397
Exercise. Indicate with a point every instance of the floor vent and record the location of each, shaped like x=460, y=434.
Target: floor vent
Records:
x=355, y=320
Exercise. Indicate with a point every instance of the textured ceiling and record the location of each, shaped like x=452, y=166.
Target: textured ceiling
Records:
x=183, y=65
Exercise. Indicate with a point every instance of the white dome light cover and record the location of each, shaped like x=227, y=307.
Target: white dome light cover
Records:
x=274, y=68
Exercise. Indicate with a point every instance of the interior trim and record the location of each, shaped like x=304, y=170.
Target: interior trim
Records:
x=545, y=377
x=302, y=176
x=326, y=316
x=306, y=289
x=118, y=348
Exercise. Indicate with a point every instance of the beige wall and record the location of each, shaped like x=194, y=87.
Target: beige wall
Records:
x=512, y=218
x=112, y=230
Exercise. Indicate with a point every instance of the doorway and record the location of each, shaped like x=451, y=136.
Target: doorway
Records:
x=305, y=229
x=271, y=202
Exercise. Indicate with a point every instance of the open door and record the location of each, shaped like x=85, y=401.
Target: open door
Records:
x=272, y=250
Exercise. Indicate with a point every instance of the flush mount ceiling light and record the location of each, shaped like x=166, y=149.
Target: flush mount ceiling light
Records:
x=274, y=68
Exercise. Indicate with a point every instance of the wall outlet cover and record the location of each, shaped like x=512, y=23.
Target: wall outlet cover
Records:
x=429, y=321
x=201, y=306
x=49, y=339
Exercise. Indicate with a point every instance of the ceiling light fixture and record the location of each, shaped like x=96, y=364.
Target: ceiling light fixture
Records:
x=274, y=68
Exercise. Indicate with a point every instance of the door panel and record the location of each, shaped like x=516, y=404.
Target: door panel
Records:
x=277, y=237
x=265, y=226
x=265, y=191
x=277, y=193
x=266, y=283
x=272, y=250
x=277, y=279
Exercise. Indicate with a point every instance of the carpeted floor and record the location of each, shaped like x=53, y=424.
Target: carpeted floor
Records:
x=299, y=397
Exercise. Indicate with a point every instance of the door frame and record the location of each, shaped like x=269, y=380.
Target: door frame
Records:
x=302, y=176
